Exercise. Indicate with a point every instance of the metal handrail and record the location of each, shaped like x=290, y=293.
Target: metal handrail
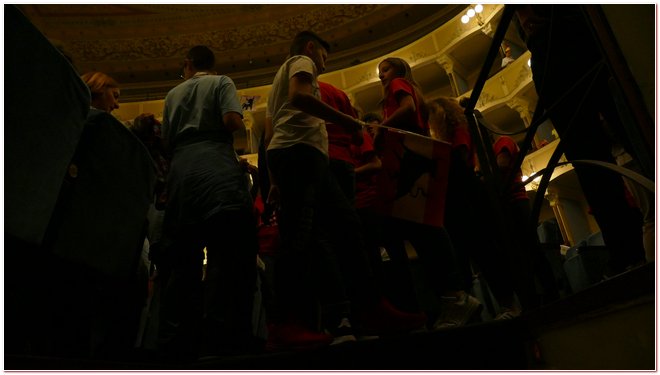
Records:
x=479, y=128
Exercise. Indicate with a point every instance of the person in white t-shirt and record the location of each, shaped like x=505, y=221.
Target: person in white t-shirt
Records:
x=314, y=215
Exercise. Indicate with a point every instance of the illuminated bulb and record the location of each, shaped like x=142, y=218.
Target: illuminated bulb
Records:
x=478, y=8
x=529, y=63
x=470, y=12
x=465, y=19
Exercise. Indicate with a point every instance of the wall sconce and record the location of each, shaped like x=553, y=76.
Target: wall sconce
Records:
x=474, y=12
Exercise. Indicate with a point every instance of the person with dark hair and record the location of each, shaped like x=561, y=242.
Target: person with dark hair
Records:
x=209, y=206
x=525, y=240
x=149, y=130
x=300, y=41
x=297, y=157
x=507, y=59
x=313, y=211
x=201, y=58
x=577, y=101
x=370, y=119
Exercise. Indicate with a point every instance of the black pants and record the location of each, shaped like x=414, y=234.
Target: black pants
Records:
x=322, y=256
x=527, y=258
x=434, y=249
x=216, y=314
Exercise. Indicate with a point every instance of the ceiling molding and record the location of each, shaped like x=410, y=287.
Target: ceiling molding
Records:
x=142, y=46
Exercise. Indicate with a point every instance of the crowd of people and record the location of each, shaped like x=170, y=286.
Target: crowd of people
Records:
x=318, y=185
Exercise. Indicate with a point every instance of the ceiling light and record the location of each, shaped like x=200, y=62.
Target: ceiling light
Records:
x=470, y=12
x=465, y=19
x=478, y=8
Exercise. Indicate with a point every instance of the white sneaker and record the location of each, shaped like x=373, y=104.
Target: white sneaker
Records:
x=456, y=311
x=507, y=313
x=343, y=333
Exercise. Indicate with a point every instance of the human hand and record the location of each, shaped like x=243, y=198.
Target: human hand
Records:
x=244, y=164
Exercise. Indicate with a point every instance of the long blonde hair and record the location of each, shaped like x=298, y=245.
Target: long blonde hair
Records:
x=402, y=70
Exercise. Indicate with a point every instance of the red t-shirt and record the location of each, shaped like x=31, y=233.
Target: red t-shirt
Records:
x=339, y=140
x=415, y=123
x=503, y=144
x=366, y=192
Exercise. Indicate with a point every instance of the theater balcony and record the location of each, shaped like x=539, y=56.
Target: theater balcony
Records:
x=58, y=241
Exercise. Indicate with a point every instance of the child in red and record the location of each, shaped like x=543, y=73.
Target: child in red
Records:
x=404, y=108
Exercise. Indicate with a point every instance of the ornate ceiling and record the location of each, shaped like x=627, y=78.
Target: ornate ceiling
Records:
x=142, y=46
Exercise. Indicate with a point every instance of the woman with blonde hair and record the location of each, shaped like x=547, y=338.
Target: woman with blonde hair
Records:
x=104, y=90
x=404, y=108
x=403, y=102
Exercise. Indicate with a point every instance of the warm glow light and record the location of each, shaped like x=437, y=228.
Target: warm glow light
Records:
x=470, y=12
x=529, y=63
x=465, y=19
x=531, y=185
x=478, y=8
x=537, y=179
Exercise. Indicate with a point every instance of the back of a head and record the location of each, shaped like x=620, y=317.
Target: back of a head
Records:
x=145, y=125
x=372, y=117
x=445, y=116
x=98, y=82
x=453, y=109
x=202, y=57
x=302, y=38
x=464, y=101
